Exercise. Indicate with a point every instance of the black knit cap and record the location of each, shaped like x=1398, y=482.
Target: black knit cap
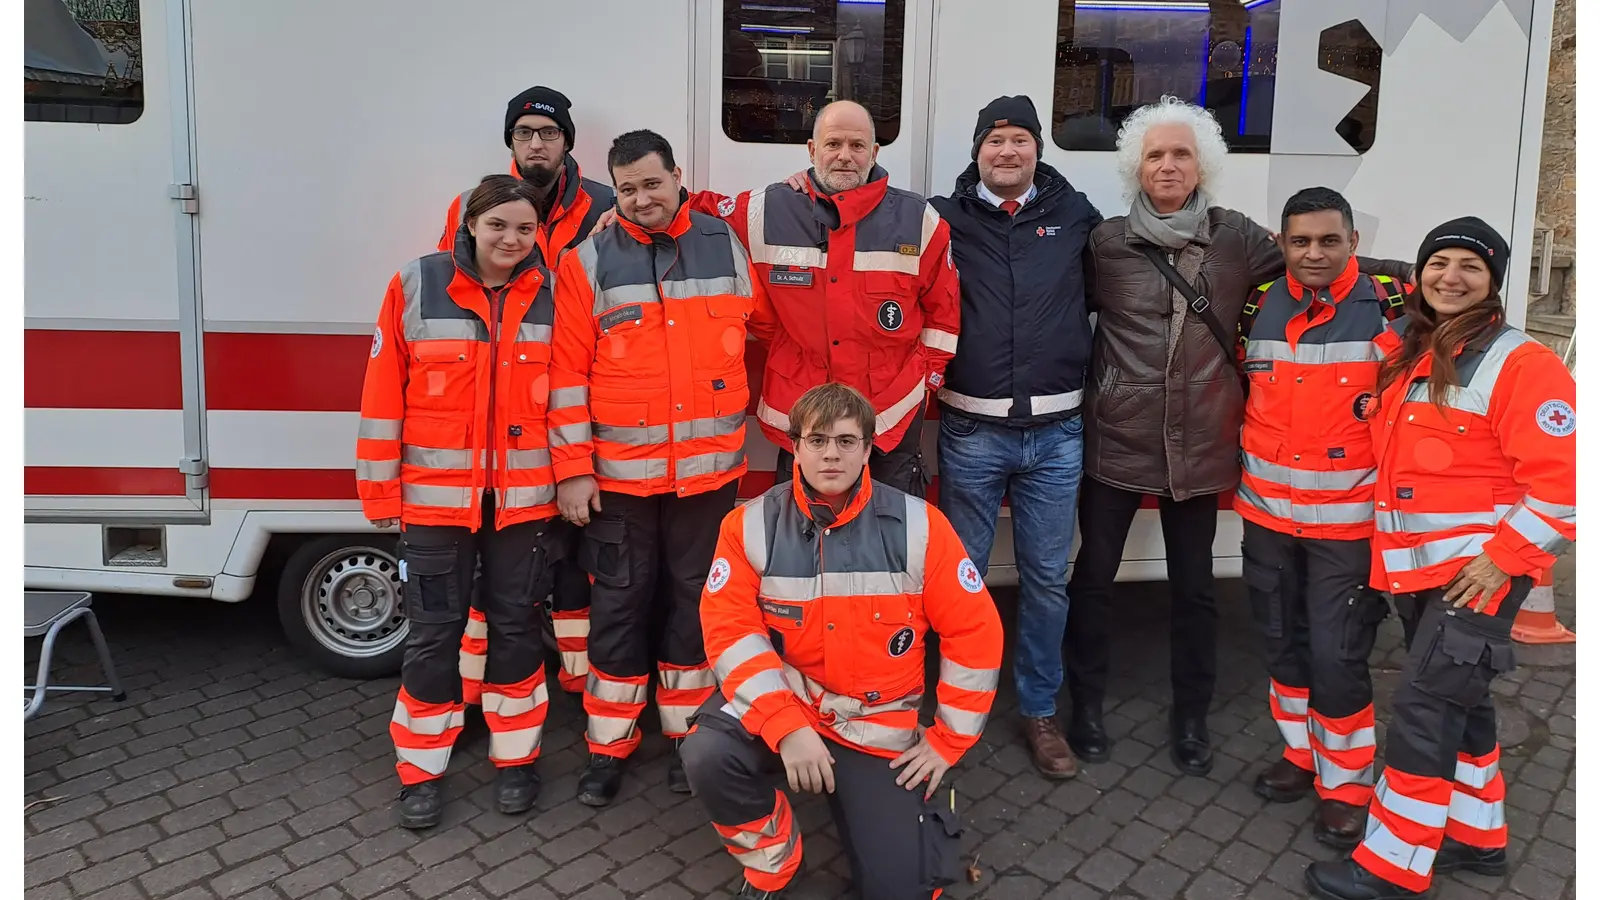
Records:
x=1469, y=233
x=541, y=101
x=1003, y=111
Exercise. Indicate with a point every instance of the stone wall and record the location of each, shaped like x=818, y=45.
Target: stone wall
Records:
x=1558, y=169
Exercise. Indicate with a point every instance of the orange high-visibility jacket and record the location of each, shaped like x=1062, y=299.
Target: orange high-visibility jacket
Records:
x=578, y=205
x=455, y=393
x=1312, y=363
x=823, y=625
x=1493, y=472
x=874, y=303
x=648, y=389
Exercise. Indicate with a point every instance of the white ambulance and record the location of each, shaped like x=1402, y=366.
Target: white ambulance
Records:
x=218, y=192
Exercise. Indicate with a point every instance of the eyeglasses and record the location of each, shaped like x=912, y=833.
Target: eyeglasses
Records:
x=523, y=134
x=817, y=443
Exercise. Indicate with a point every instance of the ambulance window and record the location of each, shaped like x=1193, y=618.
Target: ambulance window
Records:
x=82, y=62
x=783, y=60
x=1113, y=56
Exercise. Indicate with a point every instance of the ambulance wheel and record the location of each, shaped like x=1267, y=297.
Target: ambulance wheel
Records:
x=339, y=602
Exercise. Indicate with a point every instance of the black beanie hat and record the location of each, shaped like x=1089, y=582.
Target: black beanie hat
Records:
x=1469, y=233
x=541, y=101
x=1003, y=111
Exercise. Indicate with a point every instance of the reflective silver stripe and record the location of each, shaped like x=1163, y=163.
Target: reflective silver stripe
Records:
x=1334, y=775
x=567, y=435
x=1054, y=403
x=687, y=679
x=527, y=459
x=871, y=734
x=561, y=398
x=1313, y=354
x=433, y=761
x=507, y=707
x=1475, y=813
x=1536, y=530
x=633, y=435
x=1294, y=733
x=1294, y=706
x=772, y=417
x=411, y=290
x=958, y=676
x=741, y=267
x=977, y=405
x=427, y=726
x=1382, y=842
x=630, y=469
x=1308, y=479
x=1432, y=553
x=768, y=681
x=533, y=333
x=1474, y=396
x=939, y=340
x=377, y=469
x=1394, y=521
x=963, y=722
x=447, y=330
x=1567, y=514
x=836, y=584
x=886, y=261
x=461, y=208
x=1307, y=513
x=709, y=463
x=477, y=629
x=432, y=458
x=615, y=691
x=891, y=417
x=1476, y=777
x=510, y=746
x=710, y=427
x=747, y=840
x=522, y=497
x=1362, y=737
x=471, y=665
x=675, y=719
x=690, y=288
x=755, y=534
x=378, y=429
x=610, y=730
x=570, y=628
x=740, y=652
x=769, y=859
x=576, y=662
x=916, y=544
x=625, y=295
x=1428, y=815
x=436, y=495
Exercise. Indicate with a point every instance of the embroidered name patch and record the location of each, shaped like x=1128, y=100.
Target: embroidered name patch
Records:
x=1258, y=365
x=790, y=277
x=1557, y=418
x=786, y=611
x=634, y=313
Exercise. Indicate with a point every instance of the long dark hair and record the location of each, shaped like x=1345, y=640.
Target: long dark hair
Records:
x=494, y=190
x=1427, y=333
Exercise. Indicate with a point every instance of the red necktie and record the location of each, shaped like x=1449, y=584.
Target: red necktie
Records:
x=1010, y=206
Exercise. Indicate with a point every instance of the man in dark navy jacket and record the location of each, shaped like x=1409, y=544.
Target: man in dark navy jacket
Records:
x=1009, y=422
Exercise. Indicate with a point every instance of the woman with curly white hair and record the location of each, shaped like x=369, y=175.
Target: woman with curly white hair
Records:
x=1164, y=404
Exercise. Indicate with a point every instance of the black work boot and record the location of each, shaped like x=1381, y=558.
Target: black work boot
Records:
x=600, y=781
x=515, y=789
x=748, y=891
x=1191, y=745
x=677, y=779
x=1345, y=879
x=1454, y=855
x=1086, y=734
x=421, y=805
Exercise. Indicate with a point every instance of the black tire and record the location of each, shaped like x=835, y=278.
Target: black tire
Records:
x=352, y=582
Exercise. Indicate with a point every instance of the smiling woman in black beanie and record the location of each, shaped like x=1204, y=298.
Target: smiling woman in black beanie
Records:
x=1476, y=495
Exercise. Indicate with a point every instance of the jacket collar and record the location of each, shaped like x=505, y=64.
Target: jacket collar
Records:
x=1340, y=288
x=464, y=255
x=1046, y=180
x=568, y=181
x=674, y=229
x=855, y=204
x=816, y=509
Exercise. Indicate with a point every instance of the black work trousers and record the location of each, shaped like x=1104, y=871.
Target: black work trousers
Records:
x=440, y=563
x=1317, y=615
x=902, y=468
x=1105, y=514
x=649, y=557
x=900, y=846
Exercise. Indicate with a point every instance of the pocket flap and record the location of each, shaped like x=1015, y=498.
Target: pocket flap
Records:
x=1502, y=656
x=430, y=560
x=728, y=306
x=1463, y=646
x=605, y=531
x=892, y=609
x=946, y=818
x=441, y=351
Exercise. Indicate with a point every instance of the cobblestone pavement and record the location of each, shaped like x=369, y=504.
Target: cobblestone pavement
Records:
x=235, y=770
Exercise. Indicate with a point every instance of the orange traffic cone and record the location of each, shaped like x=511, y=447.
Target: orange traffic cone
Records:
x=1536, y=621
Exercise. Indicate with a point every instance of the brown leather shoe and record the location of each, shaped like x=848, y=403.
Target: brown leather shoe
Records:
x=1339, y=824
x=1284, y=782
x=1051, y=755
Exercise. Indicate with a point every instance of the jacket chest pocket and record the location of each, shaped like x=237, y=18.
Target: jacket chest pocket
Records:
x=891, y=637
x=443, y=375
x=726, y=315
x=529, y=367
x=1432, y=441
x=1342, y=387
x=889, y=303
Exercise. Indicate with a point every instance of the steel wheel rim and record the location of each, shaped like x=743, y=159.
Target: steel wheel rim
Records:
x=350, y=602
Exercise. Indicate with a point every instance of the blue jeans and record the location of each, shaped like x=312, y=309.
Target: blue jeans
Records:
x=1040, y=467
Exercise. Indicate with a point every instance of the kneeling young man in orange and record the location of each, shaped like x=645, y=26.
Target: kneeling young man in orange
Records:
x=814, y=613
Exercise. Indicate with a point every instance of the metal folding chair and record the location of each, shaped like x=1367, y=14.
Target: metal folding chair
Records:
x=44, y=614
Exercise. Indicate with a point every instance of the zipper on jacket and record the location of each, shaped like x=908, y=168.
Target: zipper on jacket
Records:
x=496, y=301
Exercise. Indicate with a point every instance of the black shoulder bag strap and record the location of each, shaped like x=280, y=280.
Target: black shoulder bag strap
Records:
x=1198, y=305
